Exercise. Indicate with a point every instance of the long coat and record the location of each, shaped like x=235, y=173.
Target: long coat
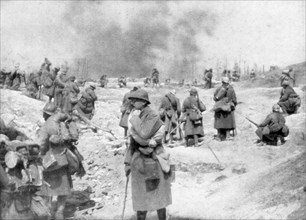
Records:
x=275, y=122
x=86, y=103
x=126, y=109
x=70, y=96
x=190, y=128
x=49, y=84
x=58, y=182
x=171, y=106
x=14, y=80
x=33, y=85
x=146, y=126
x=59, y=83
x=225, y=120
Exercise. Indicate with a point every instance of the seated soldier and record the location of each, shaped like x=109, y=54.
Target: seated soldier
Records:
x=289, y=100
x=273, y=130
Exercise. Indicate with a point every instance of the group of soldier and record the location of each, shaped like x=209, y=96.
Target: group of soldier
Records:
x=146, y=161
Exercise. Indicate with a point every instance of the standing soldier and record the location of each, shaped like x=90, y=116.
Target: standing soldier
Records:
x=147, y=161
x=60, y=82
x=14, y=80
x=193, y=126
x=57, y=179
x=70, y=95
x=86, y=104
x=289, y=101
x=207, y=78
x=155, y=77
x=126, y=109
x=252, y=74
x=49, y=83
x=225, y=98
x=170, y=110
x=273, y=129
x=34, y=85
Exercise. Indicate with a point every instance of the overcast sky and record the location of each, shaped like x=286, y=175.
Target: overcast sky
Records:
x=262, y=32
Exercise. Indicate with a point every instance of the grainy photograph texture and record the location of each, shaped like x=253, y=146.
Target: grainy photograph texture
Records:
x=157, y=110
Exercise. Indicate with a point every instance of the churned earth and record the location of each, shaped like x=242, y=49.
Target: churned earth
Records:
x=265, y=182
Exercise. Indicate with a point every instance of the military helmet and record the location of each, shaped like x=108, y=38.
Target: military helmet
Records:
x=225, y=79
x=193, y=91
x=140, y=94
x=276, y=108
x=49, y=108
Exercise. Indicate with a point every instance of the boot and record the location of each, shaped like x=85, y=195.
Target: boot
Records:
x=161, y=213
x=141, y=215
x=196, y=141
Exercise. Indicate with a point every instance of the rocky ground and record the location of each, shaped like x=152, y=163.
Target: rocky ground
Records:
x=257, y=183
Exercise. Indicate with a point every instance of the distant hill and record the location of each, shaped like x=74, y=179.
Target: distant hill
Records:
x=272, y=78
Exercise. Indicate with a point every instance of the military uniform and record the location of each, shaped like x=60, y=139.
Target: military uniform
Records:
x=59, y=83
x=225, y=120
x=289, y=101
x=86, y=104
x=33, y=85
x=151, y=184
x=193, y=126
x=171, y=112
x=70, y=95
x=49, y=83
x=273, y=127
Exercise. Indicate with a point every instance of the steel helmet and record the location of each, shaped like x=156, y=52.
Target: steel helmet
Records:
x=276, y=108
x=193, y=91
x=140, y=94
x=225, y=79
x=49, y=108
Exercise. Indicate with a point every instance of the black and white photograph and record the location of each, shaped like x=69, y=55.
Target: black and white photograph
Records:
x=152, y=110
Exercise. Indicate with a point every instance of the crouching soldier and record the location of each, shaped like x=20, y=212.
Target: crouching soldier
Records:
x=86, y=104
x=146, y=160
x=289, y=101
x=273, y=130
x=58, y=161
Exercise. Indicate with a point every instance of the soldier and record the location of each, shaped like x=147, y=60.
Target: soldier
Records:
x=49, y=83
x=252, y=74
x=155, y=77
x=86, y=104
x=57, y=177
x=126, y=109
x=273, y=129
x=4, y=74
x=225, y=98
x=170, y=111
x=122, y=81
x=70, y=95
x=14, y=80
x=207, y=78
x=286, y=76
x=103, y=81
x=59, y=83
x=45, y=69
x=289, y=101
x=147, y=81
x=34, y=84
x=192, y=117
x=146, y=160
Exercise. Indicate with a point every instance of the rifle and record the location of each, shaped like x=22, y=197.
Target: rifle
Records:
x=252, y=122
x=87, y=121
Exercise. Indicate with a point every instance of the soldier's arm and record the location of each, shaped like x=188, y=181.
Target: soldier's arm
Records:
x=145, y=128
x=266, y=121
x=285, y=96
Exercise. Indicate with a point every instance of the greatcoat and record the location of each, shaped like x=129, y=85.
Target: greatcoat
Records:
x=70, y=96
x=126, y=109
x=57, y=182
x=171, y=107
x=86, y=103
x=223, y=119
x=147, y=126
x=190, y=128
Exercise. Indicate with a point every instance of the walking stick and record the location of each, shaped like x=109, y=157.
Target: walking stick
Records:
x=221, y=166
x=125, y=196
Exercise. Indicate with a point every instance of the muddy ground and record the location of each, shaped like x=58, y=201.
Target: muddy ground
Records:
x=257, y=183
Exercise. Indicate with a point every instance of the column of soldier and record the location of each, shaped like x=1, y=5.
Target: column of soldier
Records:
x=36, y=177
x=146, y=159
